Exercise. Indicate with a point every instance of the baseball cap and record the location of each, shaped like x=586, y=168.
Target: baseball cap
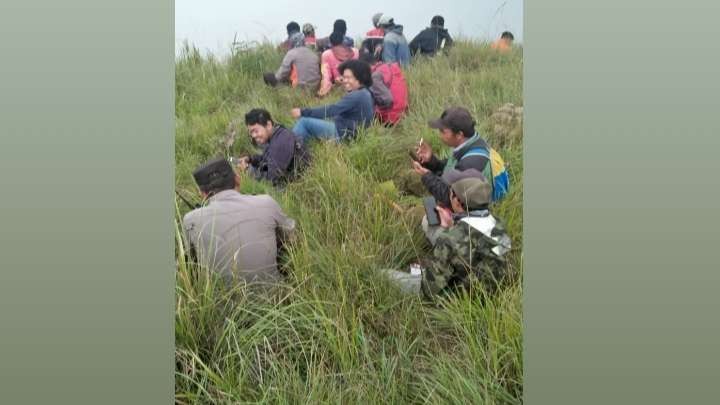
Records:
x=385, y=20
x=455, y=118
x=214, y=174
x=307, y=27
x=470, y=186
x=376, y=18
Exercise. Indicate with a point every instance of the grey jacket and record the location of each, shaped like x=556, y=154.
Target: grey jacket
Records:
x=307, y=64
x=381, y=94
x=235, y=235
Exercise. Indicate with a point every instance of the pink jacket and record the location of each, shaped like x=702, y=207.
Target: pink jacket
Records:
x=329, y=63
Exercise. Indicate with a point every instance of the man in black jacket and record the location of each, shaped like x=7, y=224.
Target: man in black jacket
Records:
x=433, y=39
x=284, y=154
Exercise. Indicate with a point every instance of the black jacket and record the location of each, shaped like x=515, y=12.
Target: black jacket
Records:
x=433, y=181
x=282, y=158
x=430, y=40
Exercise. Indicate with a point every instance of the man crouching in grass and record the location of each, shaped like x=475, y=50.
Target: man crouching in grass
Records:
x=470, y=245
x=284, y=154
x=232, y=234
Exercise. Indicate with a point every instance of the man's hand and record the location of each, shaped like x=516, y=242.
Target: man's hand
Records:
x=295, y=112
x=445, y=215
x=419, y=169
x=423, y=151
x=243, y=163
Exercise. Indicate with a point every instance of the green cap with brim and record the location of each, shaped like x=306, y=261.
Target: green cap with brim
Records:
x=470, y=186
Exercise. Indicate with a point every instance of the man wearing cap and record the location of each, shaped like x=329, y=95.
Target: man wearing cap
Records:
x=376, y=32
x=471, y=242
x=456, y=129
x=233, y=234
x=395, y=46
x=309, y=31
x=433, y=39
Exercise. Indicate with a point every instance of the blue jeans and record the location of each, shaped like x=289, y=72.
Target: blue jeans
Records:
x=308, y=128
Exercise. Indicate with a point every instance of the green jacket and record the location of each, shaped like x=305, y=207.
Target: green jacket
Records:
x=474, y=247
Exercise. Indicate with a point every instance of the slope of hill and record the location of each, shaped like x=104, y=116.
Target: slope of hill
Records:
x=338, y=331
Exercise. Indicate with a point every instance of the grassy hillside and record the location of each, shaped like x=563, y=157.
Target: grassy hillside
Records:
x=337, y=331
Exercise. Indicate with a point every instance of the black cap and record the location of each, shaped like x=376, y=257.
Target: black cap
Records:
x=216, y=174
x=438, y=20
x=454, y=118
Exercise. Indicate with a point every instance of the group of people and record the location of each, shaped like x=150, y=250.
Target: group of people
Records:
x=238, y=235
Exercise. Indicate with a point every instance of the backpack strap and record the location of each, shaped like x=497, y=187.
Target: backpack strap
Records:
x=476, y=151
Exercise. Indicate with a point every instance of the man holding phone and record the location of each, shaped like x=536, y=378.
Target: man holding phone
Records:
x=471, y=242
x=456, y=129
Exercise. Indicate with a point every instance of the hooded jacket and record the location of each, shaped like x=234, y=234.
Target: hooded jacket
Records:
x=395, y=46
x=431, y=40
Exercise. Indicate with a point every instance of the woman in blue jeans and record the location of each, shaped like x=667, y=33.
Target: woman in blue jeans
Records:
x=353, y=111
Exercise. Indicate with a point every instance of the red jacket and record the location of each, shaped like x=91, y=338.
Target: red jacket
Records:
x=395, y=81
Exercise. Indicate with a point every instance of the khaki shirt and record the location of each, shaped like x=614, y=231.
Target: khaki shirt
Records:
x=236, y=235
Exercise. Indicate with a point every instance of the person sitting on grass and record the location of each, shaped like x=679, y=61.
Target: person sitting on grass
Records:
x=309, y=31
x=284, y=155
x=433, y=39
x=299, y=66
x=472, y=244
x=389, y=88
x=395, y=46
x=331, y=60
x=352, y=112
x=323, y=44
x=232, y=234
x=456, y=128
x=504, y=44
x=375, y=36
x=291, y=28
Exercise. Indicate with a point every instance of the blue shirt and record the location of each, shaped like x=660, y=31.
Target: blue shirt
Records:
x=353, y=111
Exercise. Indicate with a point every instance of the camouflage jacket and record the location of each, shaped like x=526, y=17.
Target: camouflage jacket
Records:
x=473, y=248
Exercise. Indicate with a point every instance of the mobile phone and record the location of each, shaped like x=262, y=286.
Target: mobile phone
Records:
x=430, y=213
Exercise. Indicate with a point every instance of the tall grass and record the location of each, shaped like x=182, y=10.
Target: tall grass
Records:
x=336, y=331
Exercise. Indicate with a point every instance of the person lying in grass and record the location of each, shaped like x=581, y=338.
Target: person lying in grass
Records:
x=354, y=111
x=284, y=155
x=232, y=234
x=472, y=244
